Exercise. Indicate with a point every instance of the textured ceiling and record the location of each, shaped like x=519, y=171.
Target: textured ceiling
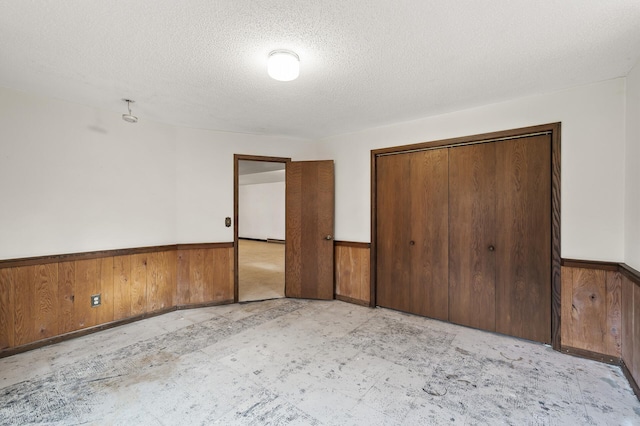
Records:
x=364, y=63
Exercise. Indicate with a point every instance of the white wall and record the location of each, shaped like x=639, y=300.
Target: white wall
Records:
x=75, y=178
x=593, y=144
x=632, y=170
x=205, y=177
x=261, y=211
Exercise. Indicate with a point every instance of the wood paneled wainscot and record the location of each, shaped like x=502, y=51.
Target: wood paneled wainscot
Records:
x=205, y=274
x=352, y=272
x=44, y=300
x=601, y=314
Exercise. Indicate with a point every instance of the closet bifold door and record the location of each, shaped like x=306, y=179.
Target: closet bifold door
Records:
x=472, y=236
x=412, y=232
x=523, y=245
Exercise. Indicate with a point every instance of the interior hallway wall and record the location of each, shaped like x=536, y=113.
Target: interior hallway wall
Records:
x=632, y=170
x=593, y=155
x=261, y=212
x=75, y=178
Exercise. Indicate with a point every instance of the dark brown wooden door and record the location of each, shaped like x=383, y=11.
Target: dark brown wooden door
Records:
x=472, y=236
x=412, y=232
x=309, y=229
x=523, y=244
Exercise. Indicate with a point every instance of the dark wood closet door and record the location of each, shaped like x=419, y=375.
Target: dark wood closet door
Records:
x=523, y=245
x=472, y=236
x=412, y=232
x=393, y=196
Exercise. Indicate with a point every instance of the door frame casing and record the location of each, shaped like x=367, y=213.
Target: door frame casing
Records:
x=236, y=159
x=554, y=129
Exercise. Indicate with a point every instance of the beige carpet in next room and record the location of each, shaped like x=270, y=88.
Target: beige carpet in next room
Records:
x=260, y=271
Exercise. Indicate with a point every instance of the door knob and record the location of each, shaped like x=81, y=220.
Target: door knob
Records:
x=491, y=248
x=328, y=238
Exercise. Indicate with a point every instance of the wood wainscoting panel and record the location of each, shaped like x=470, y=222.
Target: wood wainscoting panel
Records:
x=105, y=312
x=161, y=280
x=613, y=338
x=24, y=311
x=66, y=284
x=183, y=291
x=7, y=289
x=205, y=275
x=46, y=301
x=85, y=285
x=138, y=283
x=591, y=310
x=121, y=289
x=628, y=302
x=196, y=276
x=352, y=271
x=223, y=274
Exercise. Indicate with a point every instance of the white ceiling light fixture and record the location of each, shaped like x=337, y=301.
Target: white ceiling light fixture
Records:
x=283, y=65
x=129, y=118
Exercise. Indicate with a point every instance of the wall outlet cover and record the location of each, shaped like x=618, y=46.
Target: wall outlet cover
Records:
x=96, y=300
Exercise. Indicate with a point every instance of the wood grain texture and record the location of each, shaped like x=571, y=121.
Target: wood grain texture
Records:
x=592, y=311
x=412, y=234
x=430, y=232
x=86, y=285
x=352, y=273
x=160, y=280
x=588, y=326
x=472, y=232
x=105, y=312
x=613, y=337
x=556, y=283
x=223, y=275
x=209, y=275
x=196, y=276
x=138, y=284
x=393, y=232
x=523, y=245
x=24, y=310
x=46, y=301
x=309, y=212
x=7, y=305
x=66, y=296
x=40, y=302
x=567, y=307
x=627, y=322
x=183, y=293
x=121, y=287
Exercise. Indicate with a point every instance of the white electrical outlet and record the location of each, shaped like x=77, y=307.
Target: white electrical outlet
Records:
x=96, y=300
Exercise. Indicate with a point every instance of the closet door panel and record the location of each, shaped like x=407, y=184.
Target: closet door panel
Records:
x=393, y=195
x=429, y=234
x=472, y=231
x=523, y=245
x=412, y=232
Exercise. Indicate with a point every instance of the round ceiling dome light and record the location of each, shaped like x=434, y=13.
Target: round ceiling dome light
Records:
x=283, y=65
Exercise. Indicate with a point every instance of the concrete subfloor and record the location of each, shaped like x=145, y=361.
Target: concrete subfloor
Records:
x=306, y=362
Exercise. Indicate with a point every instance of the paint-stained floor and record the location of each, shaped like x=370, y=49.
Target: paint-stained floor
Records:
x=307, y=363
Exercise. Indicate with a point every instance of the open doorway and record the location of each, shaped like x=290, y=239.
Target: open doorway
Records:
x=260, y=228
